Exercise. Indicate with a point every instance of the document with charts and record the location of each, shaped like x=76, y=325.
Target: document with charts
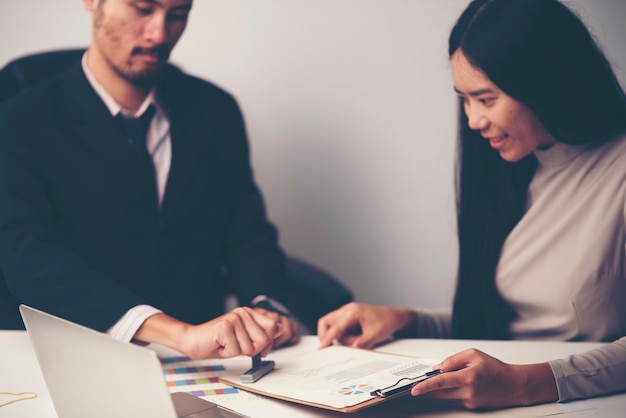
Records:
x=338, y=378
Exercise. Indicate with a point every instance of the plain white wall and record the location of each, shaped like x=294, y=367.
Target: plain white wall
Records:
x=351, y=118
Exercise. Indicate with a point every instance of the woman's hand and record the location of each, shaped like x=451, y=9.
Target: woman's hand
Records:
x=480, y=381
x=361, y=325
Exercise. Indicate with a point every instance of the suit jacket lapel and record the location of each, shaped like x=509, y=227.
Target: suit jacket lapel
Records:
x=93, y=124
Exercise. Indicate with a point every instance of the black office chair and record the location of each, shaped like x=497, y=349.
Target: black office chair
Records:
x=315, y=292
x=25, y=71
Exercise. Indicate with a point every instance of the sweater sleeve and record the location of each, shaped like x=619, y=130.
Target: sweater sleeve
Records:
x=596, y=372
x=434, y=323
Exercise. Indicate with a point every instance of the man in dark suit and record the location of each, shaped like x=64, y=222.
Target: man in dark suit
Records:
x=140, y=240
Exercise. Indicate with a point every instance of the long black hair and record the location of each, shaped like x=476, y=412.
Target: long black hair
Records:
x=542, y=55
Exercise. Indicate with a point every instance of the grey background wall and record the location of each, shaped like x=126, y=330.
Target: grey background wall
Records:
x=351, y=117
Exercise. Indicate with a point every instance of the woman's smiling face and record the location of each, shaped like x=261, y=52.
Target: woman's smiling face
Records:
x=511, y=127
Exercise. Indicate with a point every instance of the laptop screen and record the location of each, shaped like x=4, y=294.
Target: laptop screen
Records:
x=90, y=374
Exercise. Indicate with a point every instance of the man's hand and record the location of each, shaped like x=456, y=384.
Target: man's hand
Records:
x=242, y=331
x=290, y=333
x=361, y=325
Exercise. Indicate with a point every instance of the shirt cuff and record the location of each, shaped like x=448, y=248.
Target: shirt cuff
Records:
x=126, y=328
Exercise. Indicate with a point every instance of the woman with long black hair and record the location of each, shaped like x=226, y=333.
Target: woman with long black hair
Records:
x=541, y=212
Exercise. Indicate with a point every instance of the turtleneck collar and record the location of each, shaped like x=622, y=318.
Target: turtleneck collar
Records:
x=558, y=154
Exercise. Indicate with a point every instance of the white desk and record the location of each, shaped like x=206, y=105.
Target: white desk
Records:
x=19, y=372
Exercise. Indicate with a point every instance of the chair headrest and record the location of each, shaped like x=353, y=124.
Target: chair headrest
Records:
x=25, y=71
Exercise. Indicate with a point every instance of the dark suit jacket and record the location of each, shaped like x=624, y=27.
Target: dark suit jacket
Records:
x=81, y=235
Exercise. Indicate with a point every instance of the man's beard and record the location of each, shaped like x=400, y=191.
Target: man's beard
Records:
x=146, y=78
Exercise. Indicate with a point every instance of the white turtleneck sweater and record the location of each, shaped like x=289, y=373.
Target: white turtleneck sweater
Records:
x=563, y=266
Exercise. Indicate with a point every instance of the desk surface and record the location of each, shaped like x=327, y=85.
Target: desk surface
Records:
x=19, y=372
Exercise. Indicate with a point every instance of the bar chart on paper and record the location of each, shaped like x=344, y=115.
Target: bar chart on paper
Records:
x=201, y=378
x=196, y=377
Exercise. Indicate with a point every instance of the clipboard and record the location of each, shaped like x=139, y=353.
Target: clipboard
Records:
x=340, y=378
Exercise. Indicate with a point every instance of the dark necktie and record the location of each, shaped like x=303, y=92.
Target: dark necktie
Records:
x=136, y=130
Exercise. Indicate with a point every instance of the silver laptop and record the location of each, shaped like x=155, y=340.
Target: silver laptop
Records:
x=90, y=374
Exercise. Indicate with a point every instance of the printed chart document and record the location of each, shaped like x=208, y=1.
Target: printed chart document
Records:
x=338, y=378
